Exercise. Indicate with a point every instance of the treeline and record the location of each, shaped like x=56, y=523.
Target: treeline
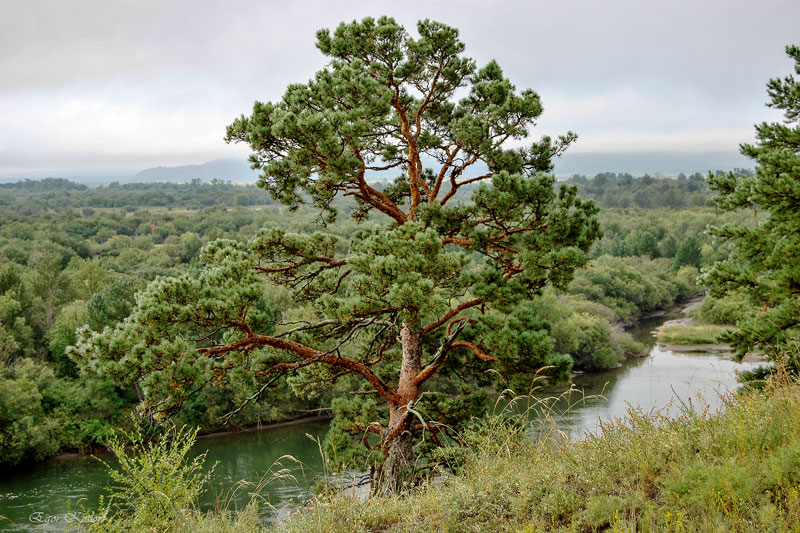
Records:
x=63, y=267
x=58, y=194
x=609, y=189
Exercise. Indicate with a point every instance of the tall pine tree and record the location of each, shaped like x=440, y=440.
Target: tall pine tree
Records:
x=765, y=262
x=413, y=314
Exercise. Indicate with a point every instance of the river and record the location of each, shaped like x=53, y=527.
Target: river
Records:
x=46, y=496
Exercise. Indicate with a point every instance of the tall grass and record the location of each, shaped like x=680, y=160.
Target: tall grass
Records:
x=690, y=333
x=738, y=470
x=156, y=486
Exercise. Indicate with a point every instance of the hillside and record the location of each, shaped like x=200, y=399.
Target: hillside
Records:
x=236, y=170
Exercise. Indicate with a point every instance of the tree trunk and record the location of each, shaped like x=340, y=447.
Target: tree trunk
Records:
x=398, y=468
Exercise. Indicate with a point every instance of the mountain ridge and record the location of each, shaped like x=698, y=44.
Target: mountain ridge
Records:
x=235, y=170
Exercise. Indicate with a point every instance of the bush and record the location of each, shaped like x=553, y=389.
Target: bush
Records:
x=631, y=286
x=727, y=310
x=156, y=483
x=25, y=431
x=587, y=339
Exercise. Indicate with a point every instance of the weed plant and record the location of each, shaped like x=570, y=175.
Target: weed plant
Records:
x=156, y=486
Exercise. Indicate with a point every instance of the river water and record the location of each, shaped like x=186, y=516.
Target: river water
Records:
x=55, y=494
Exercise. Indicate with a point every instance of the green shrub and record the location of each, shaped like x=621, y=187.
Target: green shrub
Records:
x=25, y=431
x=631, y=286
x=587, y=339
x=155, y=482
x=727, y=310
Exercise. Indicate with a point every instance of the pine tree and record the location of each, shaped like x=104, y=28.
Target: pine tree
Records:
x=765, y=262
x=688, y=254
x=413, y=314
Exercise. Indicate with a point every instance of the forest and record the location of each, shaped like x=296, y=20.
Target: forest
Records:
x=70, y=260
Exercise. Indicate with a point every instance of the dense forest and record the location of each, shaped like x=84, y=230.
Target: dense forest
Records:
x=624, y=190
x=72, y=255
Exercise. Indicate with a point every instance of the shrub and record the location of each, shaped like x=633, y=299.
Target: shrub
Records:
x=725, y=310
x=156, y=482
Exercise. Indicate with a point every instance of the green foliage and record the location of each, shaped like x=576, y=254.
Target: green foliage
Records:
x=351, y=417
x=99, y=291
x=646, y=244
x=764, y=263
x=440, y=293
x=688, y=254
x=626, y=232
x=612, y=190
x=632, y=286
x=193, y=195
x=585, y=334
x=155, y=481
x=41, y=414
x=523, y=344
x=726, y=310
x=62, y=335
x=588, y=341
x=24, y=430
x=110, y=305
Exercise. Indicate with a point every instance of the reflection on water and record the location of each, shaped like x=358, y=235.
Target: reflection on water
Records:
x=660, y=382
x=63, y=485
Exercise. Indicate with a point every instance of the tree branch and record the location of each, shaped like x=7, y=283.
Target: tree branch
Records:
x=450, y=314
x=480, y=354
x=309, y=355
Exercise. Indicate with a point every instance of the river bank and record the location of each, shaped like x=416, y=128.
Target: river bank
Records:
x=662, y=378
x=733, y=471
x=691, y=335
x=303, y=420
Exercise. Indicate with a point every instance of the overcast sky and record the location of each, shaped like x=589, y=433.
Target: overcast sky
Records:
x=107, y=85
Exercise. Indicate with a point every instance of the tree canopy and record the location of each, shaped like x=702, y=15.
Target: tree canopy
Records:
x=407, y=317
x=765, y=262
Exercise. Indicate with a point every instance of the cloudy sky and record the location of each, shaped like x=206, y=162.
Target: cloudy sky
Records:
x=115, y=86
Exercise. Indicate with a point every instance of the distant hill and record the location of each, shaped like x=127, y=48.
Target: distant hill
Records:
x=589, y=164
x=235, y=170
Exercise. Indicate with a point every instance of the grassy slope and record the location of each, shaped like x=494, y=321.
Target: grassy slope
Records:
x=736, y=471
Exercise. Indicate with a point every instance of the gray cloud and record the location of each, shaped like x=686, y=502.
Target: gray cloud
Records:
x=154, y=81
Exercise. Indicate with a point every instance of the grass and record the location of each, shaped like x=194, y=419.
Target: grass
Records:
x=734, y=471
x=690, y=333
x=738, y=470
